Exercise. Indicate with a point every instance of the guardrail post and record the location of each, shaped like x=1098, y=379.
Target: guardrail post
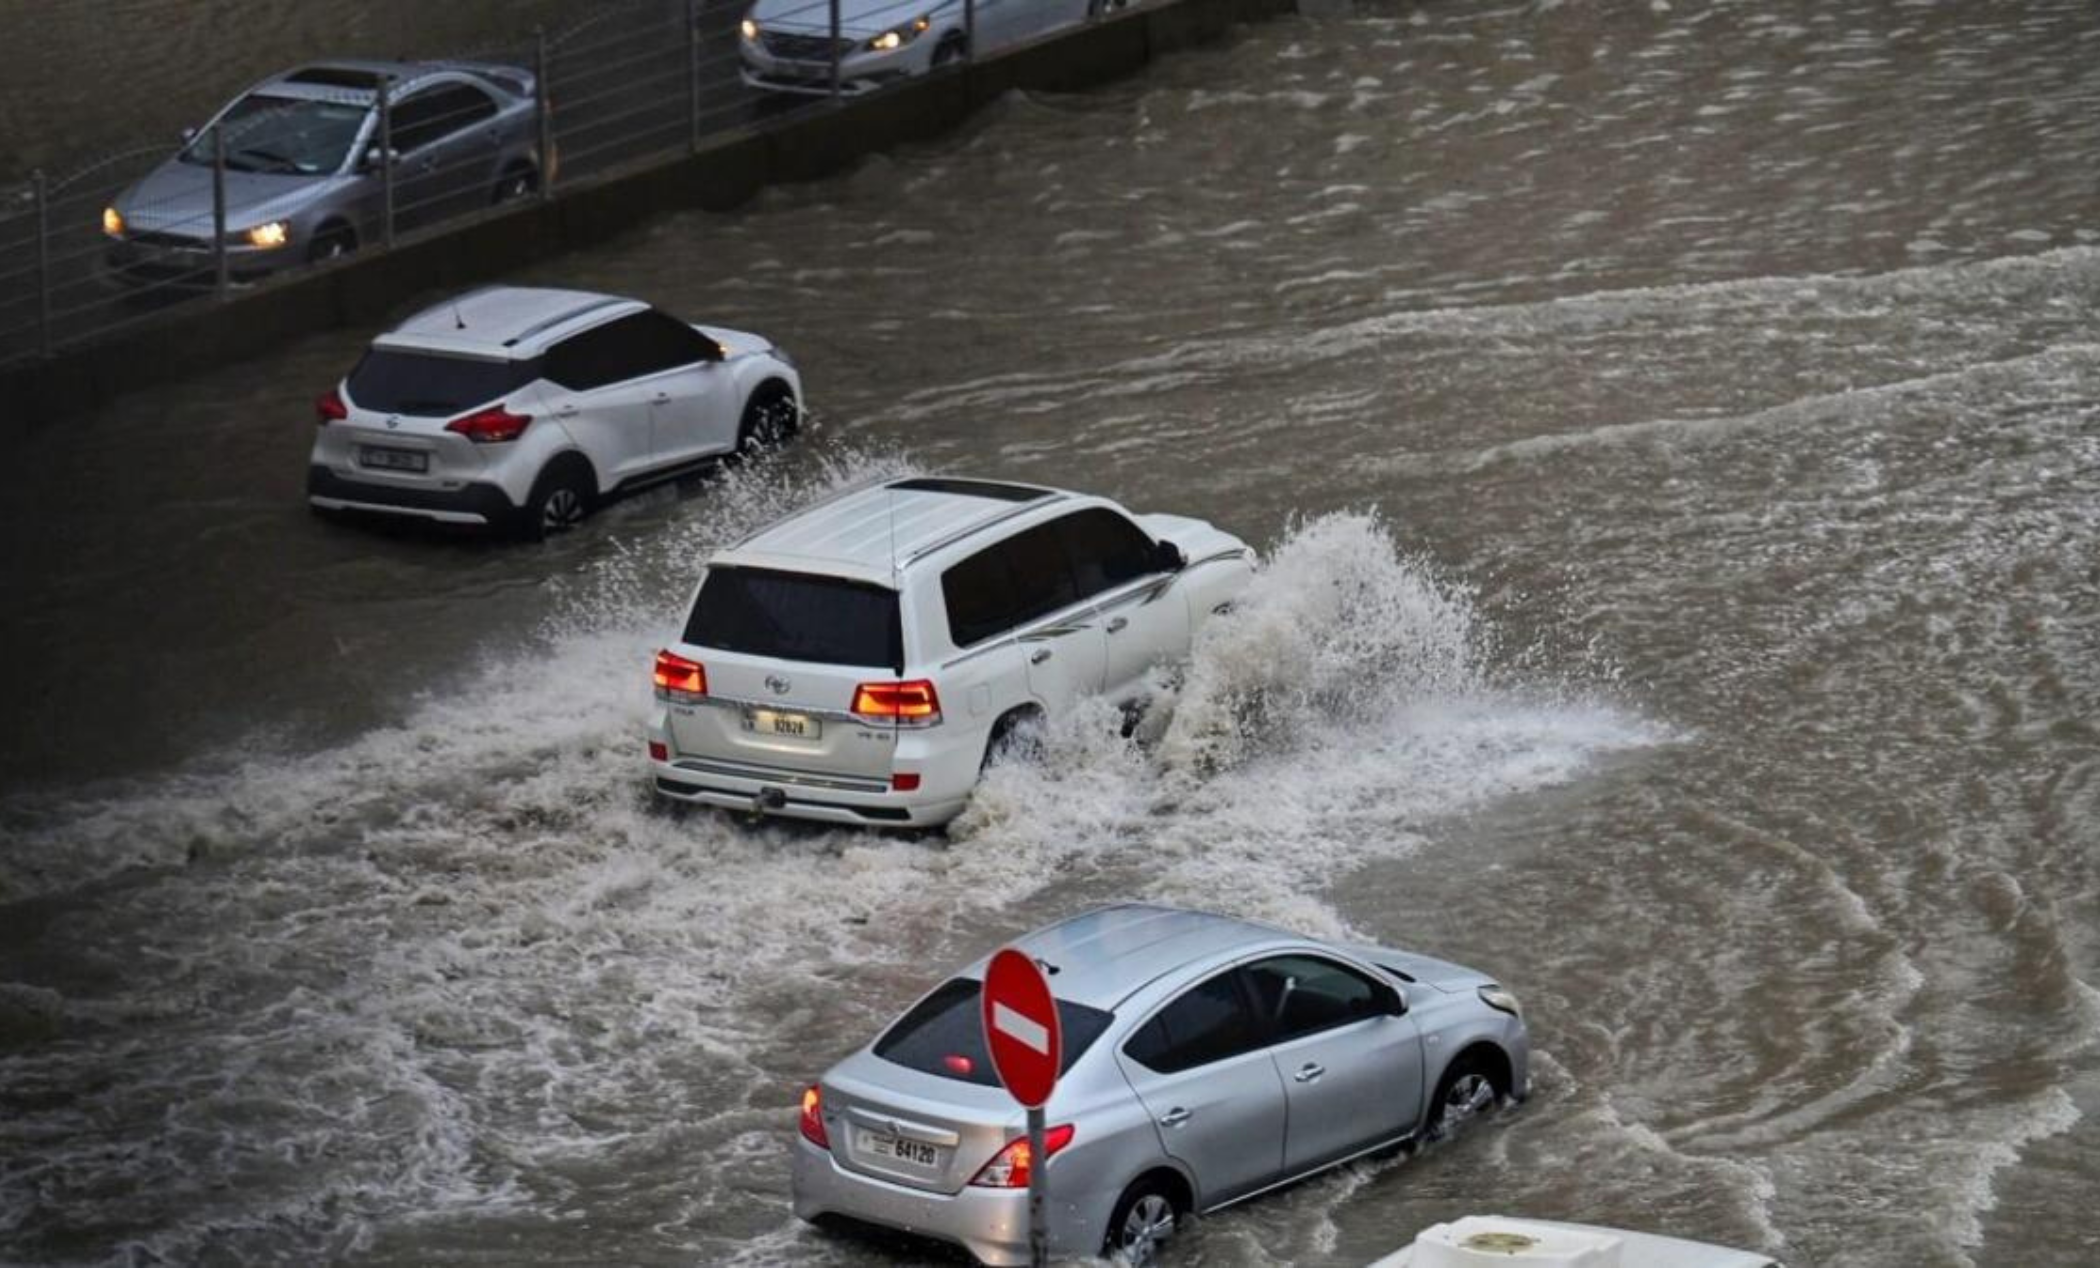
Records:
x=42, y=192
x=222, y=276
x=692, y=73
x=545, y=102
x=969, y=31
x=386, y=163
x=836, y=55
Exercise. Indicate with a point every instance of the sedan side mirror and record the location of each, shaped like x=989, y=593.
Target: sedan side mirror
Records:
x=1167, y=557
x=375, y=156
x=1394, y=1001
x=189, y=135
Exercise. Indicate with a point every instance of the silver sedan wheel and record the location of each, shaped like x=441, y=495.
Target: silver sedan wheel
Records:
x=563, y=510
x=1147, y=1227
x=1471, y=1095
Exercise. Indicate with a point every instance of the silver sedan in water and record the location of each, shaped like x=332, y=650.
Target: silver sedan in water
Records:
x=1206, y=1060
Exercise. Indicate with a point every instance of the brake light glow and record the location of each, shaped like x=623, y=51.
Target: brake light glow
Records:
x=813, y=1117
x=492, y=426
x=913, y=703
x=329, y=407
x=959, y=1065
x=679, y=678
x=1009, y=1169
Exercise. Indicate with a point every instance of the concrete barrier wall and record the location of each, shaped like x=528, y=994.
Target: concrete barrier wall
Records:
x=727, y=171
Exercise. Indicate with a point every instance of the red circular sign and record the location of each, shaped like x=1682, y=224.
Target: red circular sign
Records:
x=1020, y=1027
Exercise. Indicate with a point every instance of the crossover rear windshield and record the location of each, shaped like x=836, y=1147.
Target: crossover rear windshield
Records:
x=427, y=385
x=944, y=1035
x=797, y=616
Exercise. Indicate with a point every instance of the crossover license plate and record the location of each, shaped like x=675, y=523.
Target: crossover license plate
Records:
x=910, y=1151
x=392, y=459
x=774, y=722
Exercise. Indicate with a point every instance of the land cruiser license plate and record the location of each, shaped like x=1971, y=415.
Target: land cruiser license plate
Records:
x=911, y=1151
x=774, y=722
x=392, y=459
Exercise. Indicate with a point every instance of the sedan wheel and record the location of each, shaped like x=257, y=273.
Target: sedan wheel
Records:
x=562, y=511
x=1147, y=1226
x=1468, y=1094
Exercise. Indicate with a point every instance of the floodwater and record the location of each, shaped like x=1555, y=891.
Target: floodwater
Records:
x=1674, y=430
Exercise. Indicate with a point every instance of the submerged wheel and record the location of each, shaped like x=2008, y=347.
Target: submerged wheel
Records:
x=560, y=500
x=770, y=418
x=1143, y=1223
x=1466, y=1092
x=1016, y=737
x=951, y=49
x=332, y=243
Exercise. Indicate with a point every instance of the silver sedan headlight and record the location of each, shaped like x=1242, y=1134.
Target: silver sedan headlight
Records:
x=899, y=36
x=1497, y=998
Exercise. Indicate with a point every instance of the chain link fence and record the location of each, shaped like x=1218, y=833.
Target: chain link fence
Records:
x=336, y=158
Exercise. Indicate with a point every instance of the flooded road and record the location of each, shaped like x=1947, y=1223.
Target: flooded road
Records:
x=1685, y=418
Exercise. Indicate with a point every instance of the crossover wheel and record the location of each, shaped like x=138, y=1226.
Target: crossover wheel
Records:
x=1143, y=1223
x=559, y=502
x=1466, y=1092
x=769, y=419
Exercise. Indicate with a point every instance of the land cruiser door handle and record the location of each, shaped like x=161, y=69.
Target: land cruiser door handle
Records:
x=1117, y=625
x=1039, y=655
x=1174, y=1117
x=1310, y=1072
x=661, y=398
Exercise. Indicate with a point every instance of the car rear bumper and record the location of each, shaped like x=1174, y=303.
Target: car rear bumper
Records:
x=469, y=504
x=991, y=1224
x=797, y=794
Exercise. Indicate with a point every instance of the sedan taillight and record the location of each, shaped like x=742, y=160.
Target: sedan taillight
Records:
x=1009, y=1168
x=813, y=1117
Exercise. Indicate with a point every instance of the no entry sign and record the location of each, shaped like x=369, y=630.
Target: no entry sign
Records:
x=1020, y=1027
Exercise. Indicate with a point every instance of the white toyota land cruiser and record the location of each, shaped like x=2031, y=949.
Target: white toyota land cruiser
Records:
x=859, y=661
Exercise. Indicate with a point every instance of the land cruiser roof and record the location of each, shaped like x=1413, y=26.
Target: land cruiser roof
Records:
x=510, y=323
x=873, y=532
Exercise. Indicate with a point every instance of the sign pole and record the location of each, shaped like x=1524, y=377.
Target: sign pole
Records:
x=1038, y=1225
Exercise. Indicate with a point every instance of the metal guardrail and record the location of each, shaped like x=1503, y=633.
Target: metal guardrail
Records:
x=133, y=235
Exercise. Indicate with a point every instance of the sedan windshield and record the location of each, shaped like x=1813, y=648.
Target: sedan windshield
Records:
x=286, y=135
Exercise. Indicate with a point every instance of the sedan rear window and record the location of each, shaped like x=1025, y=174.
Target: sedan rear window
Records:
x=797, y=616
x=427, y=385
x=944, y=1035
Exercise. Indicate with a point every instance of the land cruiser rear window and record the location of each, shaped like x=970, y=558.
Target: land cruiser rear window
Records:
x=944, y=1035
x=797, y=616
x=427, y=385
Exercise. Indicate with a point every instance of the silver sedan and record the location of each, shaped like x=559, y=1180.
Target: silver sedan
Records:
x=1206, y=1060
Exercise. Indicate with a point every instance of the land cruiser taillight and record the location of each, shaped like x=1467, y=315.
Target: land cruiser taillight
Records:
x=813, y=1117
x=330, y=408
x=679, y=678
x=1009, y=1170
x=898, y=703
x=493, y=426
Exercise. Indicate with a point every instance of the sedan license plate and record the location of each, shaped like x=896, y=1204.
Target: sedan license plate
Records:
x=911, y=1151
x=773, y=722
x=392, y=459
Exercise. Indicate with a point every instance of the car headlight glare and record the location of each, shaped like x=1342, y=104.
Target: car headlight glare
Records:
x=898, y=37
x=269, y=236
x=750, y=30
x=1497, y=998
x=113, y=222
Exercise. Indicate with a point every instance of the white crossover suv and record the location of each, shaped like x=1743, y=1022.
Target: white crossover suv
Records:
x=861, y=660
x=524, y=408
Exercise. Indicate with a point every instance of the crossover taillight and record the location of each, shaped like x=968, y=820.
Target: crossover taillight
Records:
x=813, y=1117
x=1009, y=1168
x=898, y=703
x=679, y=678
x=492, y=426
x=329, y=407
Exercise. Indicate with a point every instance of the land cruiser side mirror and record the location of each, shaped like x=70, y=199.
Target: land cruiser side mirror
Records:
x=1167, y=557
